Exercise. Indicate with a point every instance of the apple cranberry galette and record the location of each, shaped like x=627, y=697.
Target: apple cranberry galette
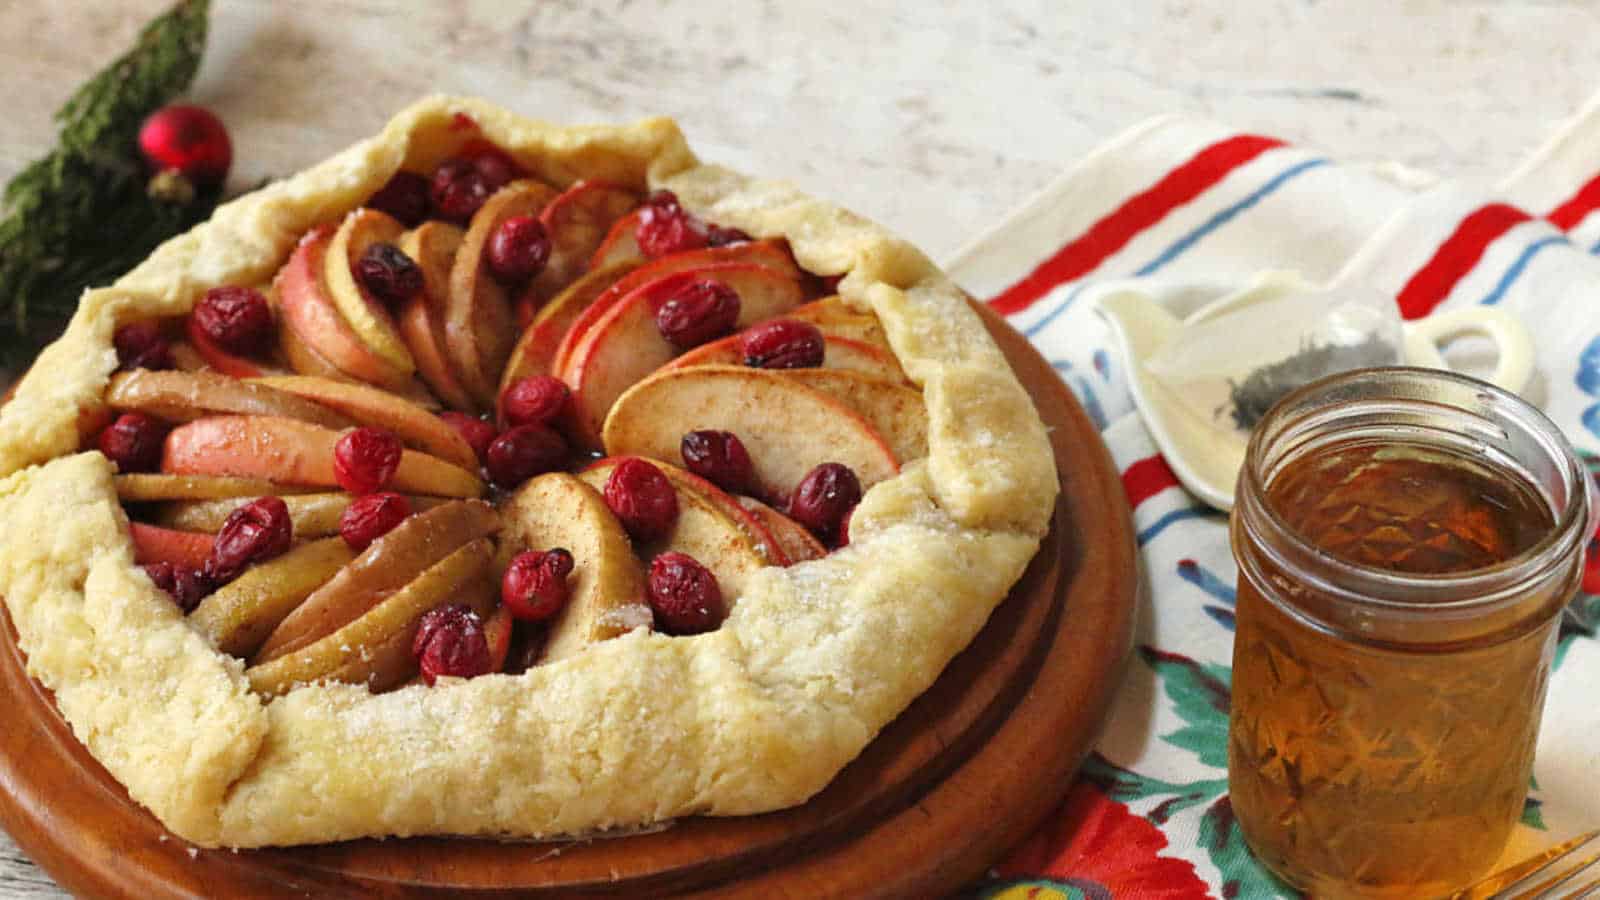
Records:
x=499, y=478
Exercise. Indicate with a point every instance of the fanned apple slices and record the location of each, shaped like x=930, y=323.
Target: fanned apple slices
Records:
x=325, y=523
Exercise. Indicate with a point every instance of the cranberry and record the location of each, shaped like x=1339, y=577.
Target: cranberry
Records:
x=642, y=499
x=535, y=400
x=720, y=458
x=238, y=319
x=142, y=345
x=450, y=641
x=255, y=532
x=535, y=587
x=522, y=452
x=824, y=497
x=494, y=165
x=698, y=312
x=186, y=586
x=663, y=199
x=684, y=595
x=665, y=228
x=782, y=344
x=476, y=432
x=388, y=273
x=365, y=459
x=134, y=442
x=519, y=248
x=717, y=236
x=457, y=190
x=370, y=517
x=405, y=197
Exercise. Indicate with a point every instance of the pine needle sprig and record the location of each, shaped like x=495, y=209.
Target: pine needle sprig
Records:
x=81, y=215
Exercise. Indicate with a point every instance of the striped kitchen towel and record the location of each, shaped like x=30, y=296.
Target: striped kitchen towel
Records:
x=1199, y=210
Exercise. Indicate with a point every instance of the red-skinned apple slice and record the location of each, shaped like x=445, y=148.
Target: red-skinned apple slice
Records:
x=433, y=245
x=479, y=328
x=625, y=345
x=310, y=313
x=366, y=315
x=834, y=319
x=606, y=588
x=536, y=350
x=387, y=565
x=894, y=409
x=764, y=541
x=152, y=544
x=291, y=452
x=837, y=353
x=366, y=405
x=702, y=530
x=577, y=221
x=788, y=428
x=185, y=396
x=770, y=254
x=796, y=540
x=620, y=244
x=145, y=487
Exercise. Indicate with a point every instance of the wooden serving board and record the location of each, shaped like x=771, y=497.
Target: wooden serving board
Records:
x=964, y=773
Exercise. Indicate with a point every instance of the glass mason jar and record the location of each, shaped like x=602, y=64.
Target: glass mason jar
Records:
x=1383, y=720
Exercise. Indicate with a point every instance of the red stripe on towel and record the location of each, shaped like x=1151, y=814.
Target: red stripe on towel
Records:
x=1146, y=478
x=1577, y=207
x=1456, y=257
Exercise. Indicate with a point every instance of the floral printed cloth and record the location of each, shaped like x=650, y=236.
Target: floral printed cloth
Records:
x=1194, y=210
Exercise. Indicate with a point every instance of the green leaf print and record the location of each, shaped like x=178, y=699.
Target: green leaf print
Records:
x=1242, y=875
x=1200, y=692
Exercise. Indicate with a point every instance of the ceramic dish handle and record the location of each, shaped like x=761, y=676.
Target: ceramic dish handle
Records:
x=1513, y=346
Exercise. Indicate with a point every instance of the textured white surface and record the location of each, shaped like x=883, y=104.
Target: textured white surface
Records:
x=933, y=118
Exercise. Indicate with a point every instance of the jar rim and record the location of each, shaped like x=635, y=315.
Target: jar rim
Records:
x=1387, y=589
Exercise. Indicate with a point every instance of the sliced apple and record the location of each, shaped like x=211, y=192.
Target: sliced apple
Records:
x=433, y=245
x=620, y=244
x=796, y=540
x=479, y=328
x=185, y=358
x=186, y=396
x=837, y=353
x=212, y=354
x=536, y=349
x=367, y=315
x=607, y=581
x=309, y=312
x=577, y=222
x=497, y=627
x=894, y=409
x=368, y=405
x=313, y=515
x=387, y=565
x=834, y=319
x=145, y=487
x=625, y=345
x=787, y=427
x=769, y=254
x=238, y=616
x=368, y=649
x=765, y=542
x=287, y=451
x=152, y=544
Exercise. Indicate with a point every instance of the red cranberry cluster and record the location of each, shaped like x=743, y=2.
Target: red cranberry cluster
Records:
x=665, y=227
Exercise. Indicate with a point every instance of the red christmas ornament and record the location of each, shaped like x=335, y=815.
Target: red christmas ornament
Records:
x=189, y=140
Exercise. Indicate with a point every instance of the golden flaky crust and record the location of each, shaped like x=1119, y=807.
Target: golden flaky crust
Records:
x=753, y=717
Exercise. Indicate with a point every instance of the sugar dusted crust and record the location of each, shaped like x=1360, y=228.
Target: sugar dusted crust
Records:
x=755, y=716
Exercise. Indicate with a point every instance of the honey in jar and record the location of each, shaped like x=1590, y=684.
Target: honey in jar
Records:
x=1406, y=540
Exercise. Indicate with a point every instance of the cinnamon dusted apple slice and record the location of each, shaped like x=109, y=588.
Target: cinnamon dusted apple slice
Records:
x=479, y=328
x=433, y=245
x=145, y=487
x=186, y=396
x=577, y=221
x=309, y=312
x=837, y=353
x=787, y=428
x=894, y=409
x=626, y=344
x=607, y=583
x=368, y=405
x=536, y=350
x=312, y=515
x=367, y=315
x=702, y=529
x=620, y=244
x=796, y=540
x=388, y=564
x=287, y=451
x=372, y=648
x=835, y=319
x=766, y=543
x=238, y=616
x=152, y=544
x=767, y=254
x=497, y=628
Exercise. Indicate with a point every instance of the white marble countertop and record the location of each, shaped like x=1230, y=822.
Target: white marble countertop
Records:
x=935, y=118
